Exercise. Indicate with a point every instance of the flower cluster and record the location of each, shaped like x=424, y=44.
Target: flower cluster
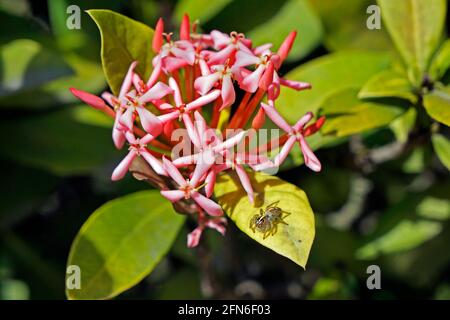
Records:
x=215, y=76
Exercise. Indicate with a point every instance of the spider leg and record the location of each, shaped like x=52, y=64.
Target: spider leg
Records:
x=274, y=229
x=273, y=204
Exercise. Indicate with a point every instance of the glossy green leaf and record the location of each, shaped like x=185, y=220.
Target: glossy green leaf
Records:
x=402, y=125
x=437, y=104
x=121, y=243
x=434, y=208
x=203, y=10
x=123, y=41
x=327, y=75
x=345, y=26
x=416, y=28
x=294, y=15
x=88, y=77
x=56, y=142
x=441, y=145
x=405, y=236
x=441, y=61
x=388, y=84
x=27, y=64
x=294, y=240
x=347, y=115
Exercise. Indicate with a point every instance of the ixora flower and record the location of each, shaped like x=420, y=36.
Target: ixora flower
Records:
x=195, y=78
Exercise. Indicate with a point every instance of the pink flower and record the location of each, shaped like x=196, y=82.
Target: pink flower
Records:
x=182, y=110
x=223, y=74
x=188, y=189
x=228, y=46
x=296, y=133
x=218, y=224
x=209, y=144
x=138, y=147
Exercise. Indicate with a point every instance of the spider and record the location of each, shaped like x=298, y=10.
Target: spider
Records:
x=267, y=221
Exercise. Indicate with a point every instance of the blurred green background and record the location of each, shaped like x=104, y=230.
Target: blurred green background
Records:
x=57, y=156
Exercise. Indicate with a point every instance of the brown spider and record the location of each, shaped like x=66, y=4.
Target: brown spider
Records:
x=267, y=221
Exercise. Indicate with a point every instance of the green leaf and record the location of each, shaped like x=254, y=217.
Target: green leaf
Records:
x=388, y=84
x=404, y=236
x=293, y=240
x=88, y=77
x=442, y=147
x=344, y=22
x=404, y=124
x=26, y=64
x=123, y=41
x=121, y=243
x=327, y=75
x=415, y=27
x=434, y=208
x=441, y=62
x=293, y=15
x=347, y=115
x=57, y=143
x=437, y=104
x=199, y=9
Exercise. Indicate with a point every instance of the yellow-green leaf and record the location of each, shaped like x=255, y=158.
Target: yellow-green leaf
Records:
x=441, y=62
x=294, y=240
x=442, y=147
x=121, y=243
x=402, y=125
x=347, y=115
x=415, y=27
x=347, y=29
x=293, y=15
x=386, y=84
x=123, y=41
x=437, y=104
x=327, y=75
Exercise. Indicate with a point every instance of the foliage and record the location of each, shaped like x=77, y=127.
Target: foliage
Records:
x=381, y=198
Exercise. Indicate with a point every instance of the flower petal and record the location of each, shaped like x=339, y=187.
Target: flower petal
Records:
x=199, y=102
x=120, y=171
x=89, y=98
x=158, y=91
x=128, y=81
x=192, y=132
x=172, y=195
x=311, y=160
x=251, y=82
x=127, y=118
x=245, y=181
x=186, y=55
x=297, y=85
x=230, y=142
x=221, y=56
x=205, y=160
x=149, y=121
x=244, y=59
x=205, y=83
x=284, y=152
x=173, y=172
x=193, y=238
x=153, y=162
x=228, y=94
x=208, y=205
x=273, y=114
x=302, y=121
x=157, y=41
